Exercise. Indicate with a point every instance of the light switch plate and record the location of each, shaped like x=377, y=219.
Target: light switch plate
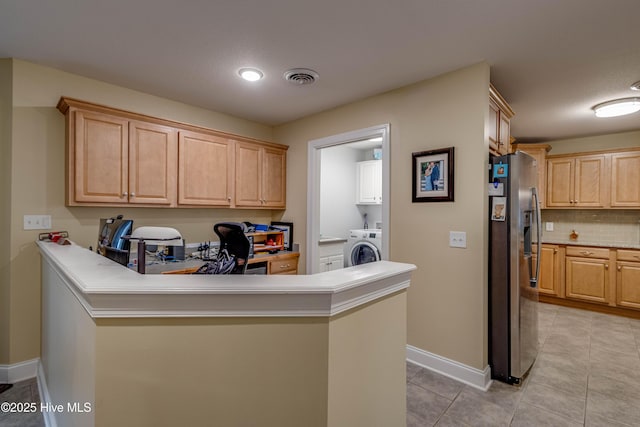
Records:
x=548, y=226
x=37, y=222
x=458, y=239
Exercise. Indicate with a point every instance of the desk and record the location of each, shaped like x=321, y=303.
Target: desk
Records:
x=283, y=262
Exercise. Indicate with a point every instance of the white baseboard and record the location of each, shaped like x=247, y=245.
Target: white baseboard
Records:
x=19, y=371
x=49, y=416
x=450, y=368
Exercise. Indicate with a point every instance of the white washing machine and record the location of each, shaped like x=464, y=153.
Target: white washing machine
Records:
x=363, y=246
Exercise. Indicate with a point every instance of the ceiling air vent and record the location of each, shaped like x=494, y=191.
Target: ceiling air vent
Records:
x=301, y=76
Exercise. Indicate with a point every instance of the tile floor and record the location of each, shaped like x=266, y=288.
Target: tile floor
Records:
x=23, y=392
x=587, y=374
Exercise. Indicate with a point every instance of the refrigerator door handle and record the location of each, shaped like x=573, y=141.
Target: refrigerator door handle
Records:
x=536, y=204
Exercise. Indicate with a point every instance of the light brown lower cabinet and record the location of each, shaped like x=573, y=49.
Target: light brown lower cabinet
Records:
x=628, y=279
x=285, y=263
x=587, y=274
x=596, y=278
x=549, y=280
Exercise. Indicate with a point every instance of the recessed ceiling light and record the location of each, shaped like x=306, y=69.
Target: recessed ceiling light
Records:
x=635, y=86
x=250, y=74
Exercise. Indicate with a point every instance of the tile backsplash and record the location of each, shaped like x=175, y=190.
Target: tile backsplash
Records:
x=604, y=226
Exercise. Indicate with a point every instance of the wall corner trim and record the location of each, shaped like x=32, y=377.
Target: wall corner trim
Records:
x=480, y=379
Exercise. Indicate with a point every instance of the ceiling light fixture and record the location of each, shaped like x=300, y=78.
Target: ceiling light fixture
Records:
x=635, y=86
x=617, y=107
x=250, y=74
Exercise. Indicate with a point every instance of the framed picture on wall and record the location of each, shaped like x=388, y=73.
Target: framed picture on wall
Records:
x=432, y=174
x=287, y=229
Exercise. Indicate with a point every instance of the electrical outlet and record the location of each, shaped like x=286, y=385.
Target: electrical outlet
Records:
x=458, y=239
x=37, y=222
x=548, y=226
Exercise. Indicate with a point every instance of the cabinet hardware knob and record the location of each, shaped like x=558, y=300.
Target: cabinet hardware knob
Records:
x=606, y=266
x=125, y=194
x=229, y=199
x=619, y=268
x=133, y=194
x=555, y=251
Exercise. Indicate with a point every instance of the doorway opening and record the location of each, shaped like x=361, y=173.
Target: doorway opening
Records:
x=375, y=140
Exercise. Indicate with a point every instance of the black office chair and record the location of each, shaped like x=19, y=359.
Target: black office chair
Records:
x=233, y=253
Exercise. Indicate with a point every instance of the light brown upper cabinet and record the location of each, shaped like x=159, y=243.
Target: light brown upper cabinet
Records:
x=625, y=179
x=500, y=114
x=577, y=181
x=205, y=170
x=152, y=163
x=260, y=176
x=120, y=158
x=118, y=161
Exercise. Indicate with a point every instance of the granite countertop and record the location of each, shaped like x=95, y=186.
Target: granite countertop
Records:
x=587, y=243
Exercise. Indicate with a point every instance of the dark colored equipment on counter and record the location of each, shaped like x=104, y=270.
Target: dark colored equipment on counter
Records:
x=111, y=241
x=233, y=253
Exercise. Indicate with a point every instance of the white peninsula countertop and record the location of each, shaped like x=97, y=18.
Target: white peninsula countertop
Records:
x=108, y=289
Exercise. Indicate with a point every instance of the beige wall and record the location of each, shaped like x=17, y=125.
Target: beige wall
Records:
x=5, y=205
x=447, y=301
x=222, y=372
x=37, y=184
x=595, y=143
x=367, y=353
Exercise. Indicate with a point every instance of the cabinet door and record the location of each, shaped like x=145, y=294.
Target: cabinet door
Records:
x=286, y=265
x=504, y=134
x=628, y=284
x=587, y=279
x=101, y=158
x=625, y=180
x=330, y=263
x=589, y=181
x=248, y=174
x=547, y=284
x=369, y=182
x=274, y=178
x=205, y=170
x=494, y=127
x=560, y=174
x=152, y=163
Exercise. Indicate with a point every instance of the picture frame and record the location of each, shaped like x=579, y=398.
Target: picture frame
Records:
x=287, y=229
x=433, y=175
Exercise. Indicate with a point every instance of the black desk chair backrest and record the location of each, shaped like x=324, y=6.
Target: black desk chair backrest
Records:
x=234, y=246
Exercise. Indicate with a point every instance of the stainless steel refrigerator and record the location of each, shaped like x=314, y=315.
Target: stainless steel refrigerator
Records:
x=514, y=228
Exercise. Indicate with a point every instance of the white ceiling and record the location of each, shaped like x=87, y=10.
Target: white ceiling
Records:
x=552, y=60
